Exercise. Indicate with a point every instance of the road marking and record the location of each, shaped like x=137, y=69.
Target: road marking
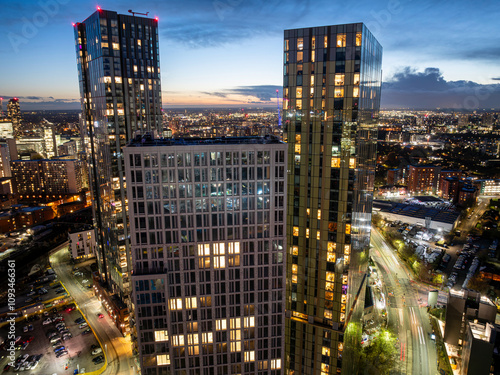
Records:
x=401, y=316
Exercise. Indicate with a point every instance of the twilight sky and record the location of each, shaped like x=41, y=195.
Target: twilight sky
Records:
x=437, y=53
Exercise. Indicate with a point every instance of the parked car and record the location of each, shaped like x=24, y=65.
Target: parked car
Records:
x=87, y=331
x=79, y=320
x=83, y=325
x=47, y=321
x=96, y=351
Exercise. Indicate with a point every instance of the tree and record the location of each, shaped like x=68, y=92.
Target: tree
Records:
x=379, y=357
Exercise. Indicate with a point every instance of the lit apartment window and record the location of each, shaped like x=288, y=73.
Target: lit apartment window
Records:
x=358, y=39
x=163, y=359
x=339, y=92
x=313, y=42
x=325, y=41
x=300, y=44
x=341, y=40
x=339, y=79
x=287, y=45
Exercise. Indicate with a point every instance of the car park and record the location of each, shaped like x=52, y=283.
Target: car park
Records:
x=83, y=325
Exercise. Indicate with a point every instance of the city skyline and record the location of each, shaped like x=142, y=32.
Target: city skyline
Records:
x=435, y=56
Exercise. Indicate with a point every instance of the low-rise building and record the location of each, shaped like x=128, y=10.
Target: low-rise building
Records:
x=24, y=217
x=82, y=242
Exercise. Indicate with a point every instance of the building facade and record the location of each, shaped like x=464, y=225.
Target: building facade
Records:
x=423, y=178
x=14, y=115
x=119, y=77
x=207, y=225
x=331, y=99
x=82, y=243
x=47, y=178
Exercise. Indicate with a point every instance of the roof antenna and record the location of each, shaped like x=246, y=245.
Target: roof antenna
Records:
x=134, y=13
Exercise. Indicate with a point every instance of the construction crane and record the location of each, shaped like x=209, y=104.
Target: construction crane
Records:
x=134, y=13
x=279, y=109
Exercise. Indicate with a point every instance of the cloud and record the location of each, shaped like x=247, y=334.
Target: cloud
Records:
x=496, y=79
x=409, y=88
x=219, y=22
x=30, y=103
x=264, y=93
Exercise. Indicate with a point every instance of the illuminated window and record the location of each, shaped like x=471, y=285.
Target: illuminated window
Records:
x=116, y=46
x=352, y=163
x=300, y=44
x=250, y=356
x=325, y=41
x=220, y=262
x=312, y=80
x=193, y=339
x=325, y=351
x=178, y=340
x=207, y=337
x=298, y=92
x=135, y=68
x=341, y=38
x=139, y=42
x=330, y=276
x=295, y=250
x=339, y=79
x=356, y=78
x=236, y=346
x=191, y=303
x=275, y=364
x=313, y=42
x=221, y=324
x=335, y=162
x=300, y=56
x=287, y=45
x=163, y=359
x=118, y=79
x=175, y=303
x=297, y=148
x=295, y=269
x=355, y=92
x=358, y=39
x=318, y=235
x=104, y=45
x=307, y=232
x=295, y=231
x=313, y=56
x=344, y=279
x=161, y=335
x=319, y=214
x=297, y=138
x=329, y=296
x=343, y=299
x=339, y=92
x=107, y=79
x=329, y=286
x=347, y=231
x=298, y=104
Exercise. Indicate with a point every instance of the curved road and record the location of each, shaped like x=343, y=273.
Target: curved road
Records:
x=118, y=349
x=410, y=322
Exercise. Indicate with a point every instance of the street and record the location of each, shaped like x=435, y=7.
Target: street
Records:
x=117, y=348
x=406, y=316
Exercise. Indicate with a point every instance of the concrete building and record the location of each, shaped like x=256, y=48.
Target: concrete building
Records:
x=481, y=349
x=47, y=178
x=464, y=306
x=82, y=243
x=488, y=187
x=331, y=101
x=6, y=129
x=431, y=218
x=207, y=227
x=449, y=188
x=467, y=195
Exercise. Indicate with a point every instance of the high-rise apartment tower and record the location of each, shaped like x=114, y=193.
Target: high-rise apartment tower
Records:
x=119, y=76
x=207, y=220
x=331, y=99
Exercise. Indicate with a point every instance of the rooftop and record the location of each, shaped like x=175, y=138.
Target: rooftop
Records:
x=417, y=211
x=148, y=141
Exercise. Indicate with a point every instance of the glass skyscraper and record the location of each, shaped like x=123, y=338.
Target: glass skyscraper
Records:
x=119, y=76
x=331, y=99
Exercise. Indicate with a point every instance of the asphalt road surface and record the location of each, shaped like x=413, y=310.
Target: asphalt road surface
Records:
x=118, y=349
x=406, y=315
